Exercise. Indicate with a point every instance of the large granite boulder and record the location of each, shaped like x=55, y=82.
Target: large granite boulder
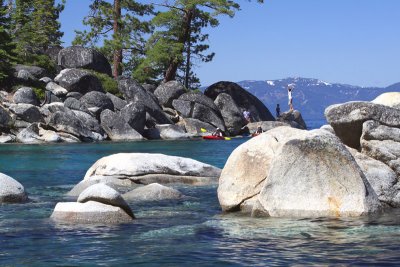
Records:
x=84, y=58
x=390, y=99
x=37, y=133
x=27, y=112
x=243, y=99
x=347, y=119
x=77, y=80
x=117, y=102
x=104, y=194
x=166, y=92
x=134, y=114
x=382, y=143
x=231, y=113
x=75, y=104
x=5, y=118
x=382, y=178
x=152, y=192
x=298, y=173
x=11, y=191
x=294, y=118
x=26, y=95
x=134, y=92
x=96, y=102
x=69, y=123
x=149, y=168
x=198, y=106
x=196, y=127
x=117, y=128
x=91, y=123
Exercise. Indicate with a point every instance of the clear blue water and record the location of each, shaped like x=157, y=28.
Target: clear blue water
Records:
x=174, y=233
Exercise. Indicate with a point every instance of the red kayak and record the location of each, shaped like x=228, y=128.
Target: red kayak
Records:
x=213, y=137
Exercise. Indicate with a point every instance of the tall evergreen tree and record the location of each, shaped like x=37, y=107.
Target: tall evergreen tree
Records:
x=36, y=28
x=119, y=28
x=6, y=45
x=178, y=38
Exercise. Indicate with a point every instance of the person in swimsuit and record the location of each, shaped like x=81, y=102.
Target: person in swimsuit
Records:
x=290, y=97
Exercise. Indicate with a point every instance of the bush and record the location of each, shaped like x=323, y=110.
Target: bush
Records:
x=109, y=84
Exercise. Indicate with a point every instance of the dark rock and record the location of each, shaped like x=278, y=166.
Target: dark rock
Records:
x=68, y=122
x=169, y=91
x=134, y=92
x=206, y=114
x=52, y=52
x=118, y=102
x=75, y=104
x=89, y=121
x=36, y=72
x=135, y=115
x=166, y=132
x=27, y=112
x=201, y=99
x=26, y=95
x=75, y=95
x=231, y=113
x=149, y=87
x=96, y=102
x=294, y=118
x=117, y=128
x=242, y=98
x=194, y=127
x=81, y=81
x=347, y=119
x=5, y=118
x=85, y=58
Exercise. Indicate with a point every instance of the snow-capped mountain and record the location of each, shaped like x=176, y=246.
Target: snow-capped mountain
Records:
x=311, y=96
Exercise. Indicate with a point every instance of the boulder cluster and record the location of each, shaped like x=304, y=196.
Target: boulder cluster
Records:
x=350, y=167
x=77, y=108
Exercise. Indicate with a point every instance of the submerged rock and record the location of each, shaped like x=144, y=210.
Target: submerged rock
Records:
x=152, y=192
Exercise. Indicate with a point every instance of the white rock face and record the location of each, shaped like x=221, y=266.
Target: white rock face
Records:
x=89, y=212
x=153, y=192
x=313, y=174
x=390, y=99
x=134, y=165
x=104, y=194
x=11, y=191
x=248, y=166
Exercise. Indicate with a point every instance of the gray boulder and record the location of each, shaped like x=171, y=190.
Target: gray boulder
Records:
x=5, y=119
x=117, y=102
x=117, y=128
x=134, y=92
x=149, y=87
x=231, y=113
x=153, y=192
x=96, y=102
x=89, y=121
x=140, y=166
x=134, y=114
x=294, y=118
x=56, y=90
x=26, y=95
x=265, y=125
x=196, y=127
x=7, y=138
x=11, y=191
x=166, y=132
x=89, y=212
x=36, y=72
x=37, y=133
x=166, y=92
x=25, y=76
x=75, y=104
x=68, y=122
x=347, y=119
x=106, y=195
x=75, y=95
x=77, y=80
x=27, y=112
x=46, y=80
x=85, y=58
x=242, y=98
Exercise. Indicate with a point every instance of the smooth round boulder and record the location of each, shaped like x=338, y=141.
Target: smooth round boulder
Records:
x=104, y=194
x=89, y=212
x=152, y=192
x=313, y=175
x=11, y=191
x=390, y=99
x=84, y=58
x=26, y=95
x=166, y=92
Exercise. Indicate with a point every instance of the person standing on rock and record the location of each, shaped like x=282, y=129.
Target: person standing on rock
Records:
x=290, y=97
x=278, y=110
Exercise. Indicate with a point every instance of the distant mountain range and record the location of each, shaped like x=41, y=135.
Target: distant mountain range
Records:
x=311, y=96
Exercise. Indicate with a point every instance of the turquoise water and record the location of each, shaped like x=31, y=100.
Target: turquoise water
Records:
x=172, y=233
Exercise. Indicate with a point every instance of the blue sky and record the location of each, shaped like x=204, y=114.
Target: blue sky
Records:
x=348, y=41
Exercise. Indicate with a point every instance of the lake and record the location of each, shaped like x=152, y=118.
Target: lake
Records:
x=191, y=231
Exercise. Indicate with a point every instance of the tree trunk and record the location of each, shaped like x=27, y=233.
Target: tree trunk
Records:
x=117, y=59
x=170, y=73
x=187, y=70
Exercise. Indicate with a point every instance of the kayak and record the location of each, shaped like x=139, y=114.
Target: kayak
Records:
x=213, y=137
x=255, y=134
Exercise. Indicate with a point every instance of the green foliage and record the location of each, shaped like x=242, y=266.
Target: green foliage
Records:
x=109, y=84
x=6, y=45
x=129, y=37
x=40, y=92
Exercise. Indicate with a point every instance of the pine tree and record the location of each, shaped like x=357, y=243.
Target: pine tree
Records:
x=36, y=28
x=178, y=40
x=120, y=29
x=6, y=45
